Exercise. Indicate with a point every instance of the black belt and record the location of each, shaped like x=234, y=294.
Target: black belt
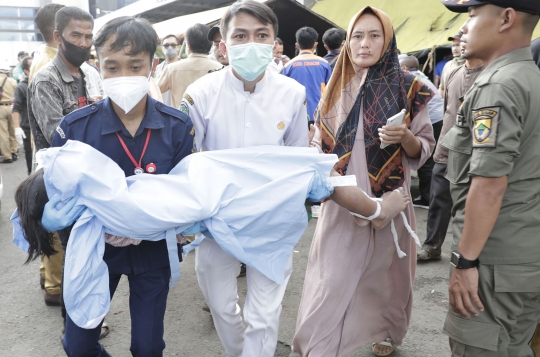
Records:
x=5, y=103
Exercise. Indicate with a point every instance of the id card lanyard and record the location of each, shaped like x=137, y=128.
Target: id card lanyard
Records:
x=150, y=168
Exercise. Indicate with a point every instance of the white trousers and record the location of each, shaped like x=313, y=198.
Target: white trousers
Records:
x=217, y=271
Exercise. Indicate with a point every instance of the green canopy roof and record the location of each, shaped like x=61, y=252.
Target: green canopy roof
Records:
x=419, y=24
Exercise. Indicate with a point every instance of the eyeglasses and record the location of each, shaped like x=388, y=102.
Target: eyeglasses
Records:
x=170, y=45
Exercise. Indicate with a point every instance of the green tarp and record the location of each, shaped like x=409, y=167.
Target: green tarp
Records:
x=419, y=24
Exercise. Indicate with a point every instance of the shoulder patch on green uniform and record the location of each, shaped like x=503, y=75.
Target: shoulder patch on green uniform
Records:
x=188, y=98
x=486, y=125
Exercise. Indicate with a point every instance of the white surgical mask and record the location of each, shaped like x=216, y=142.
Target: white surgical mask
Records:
x=170, y=52
x=251, y=59
x=126, y=92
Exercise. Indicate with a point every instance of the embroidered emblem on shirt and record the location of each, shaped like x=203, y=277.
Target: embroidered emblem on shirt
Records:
x=188, y=98
x=184, y=108
x=281, y=125
x=486, y=123
x=60, y=132
x=192, y=132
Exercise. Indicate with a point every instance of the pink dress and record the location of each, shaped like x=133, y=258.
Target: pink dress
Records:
x=357, y=290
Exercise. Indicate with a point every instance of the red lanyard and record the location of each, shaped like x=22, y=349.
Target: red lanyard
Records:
x=138, y=166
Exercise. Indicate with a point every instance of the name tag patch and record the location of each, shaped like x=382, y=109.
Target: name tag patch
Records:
x=60, y=132
x=486, y=124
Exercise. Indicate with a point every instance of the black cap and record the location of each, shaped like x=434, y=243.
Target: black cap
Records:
x=22, y=53
x=530, y=6
x=213, y=32
x=455, y=37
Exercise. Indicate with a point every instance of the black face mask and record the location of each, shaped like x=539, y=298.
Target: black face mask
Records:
x=75, y=54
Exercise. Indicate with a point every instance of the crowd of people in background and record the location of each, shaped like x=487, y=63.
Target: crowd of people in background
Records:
x=232, y=86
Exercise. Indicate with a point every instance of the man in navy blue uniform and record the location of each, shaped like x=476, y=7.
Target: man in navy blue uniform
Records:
x=142, y=136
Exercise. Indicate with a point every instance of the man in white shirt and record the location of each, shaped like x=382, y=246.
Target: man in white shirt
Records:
x=94, y=85
x=240, y=106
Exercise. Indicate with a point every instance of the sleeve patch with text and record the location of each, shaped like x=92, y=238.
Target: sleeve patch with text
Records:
x=486, y=125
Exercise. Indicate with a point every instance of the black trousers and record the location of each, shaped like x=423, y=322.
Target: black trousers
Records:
x=440, y=209
x=27, y=149
x=424, y=173
x=148, y=293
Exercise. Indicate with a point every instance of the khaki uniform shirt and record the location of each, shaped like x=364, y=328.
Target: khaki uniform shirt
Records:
x=496, y=134
x=459, y=82
x=448, y=68
x=9, y=88
x=43, y=55
x=177, y=76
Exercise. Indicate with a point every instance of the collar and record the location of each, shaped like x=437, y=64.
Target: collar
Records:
x=111, y=123
x=519, y=55
x=62, y=68
x=418, y=73
x=198, y=55
x=473, y=70
x=305, y=52
x=238, y=85
x=334, y=52
x=50, y=50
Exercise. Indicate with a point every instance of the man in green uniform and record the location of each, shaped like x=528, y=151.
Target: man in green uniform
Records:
x=494, y=171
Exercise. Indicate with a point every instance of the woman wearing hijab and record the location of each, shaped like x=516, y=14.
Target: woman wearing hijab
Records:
x=357, y=290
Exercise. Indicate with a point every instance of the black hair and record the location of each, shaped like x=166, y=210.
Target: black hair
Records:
x=45, y=20
x=256, y=9
x=333, y=38
x=31, y=197
x=197, y=38
x=306, y=37
x=169, y=36
x=25, y=63
x=135, y=33
x=279, y=41
x=68, y=13
x=529, y=22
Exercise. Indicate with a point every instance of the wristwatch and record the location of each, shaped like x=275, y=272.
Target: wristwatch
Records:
x=459, y=262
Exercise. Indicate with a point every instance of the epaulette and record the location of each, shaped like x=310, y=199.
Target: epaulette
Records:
x=164, y=108
x=83, y=112
x=485, y=78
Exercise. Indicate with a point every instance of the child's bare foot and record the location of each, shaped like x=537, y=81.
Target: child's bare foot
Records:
x=393, y=203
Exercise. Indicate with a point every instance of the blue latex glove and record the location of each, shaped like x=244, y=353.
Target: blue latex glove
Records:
x=55, y=219
x=320, y=189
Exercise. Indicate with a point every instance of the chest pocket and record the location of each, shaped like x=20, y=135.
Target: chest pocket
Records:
x=162, y=167
x=69, y=106
x=458, y=140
